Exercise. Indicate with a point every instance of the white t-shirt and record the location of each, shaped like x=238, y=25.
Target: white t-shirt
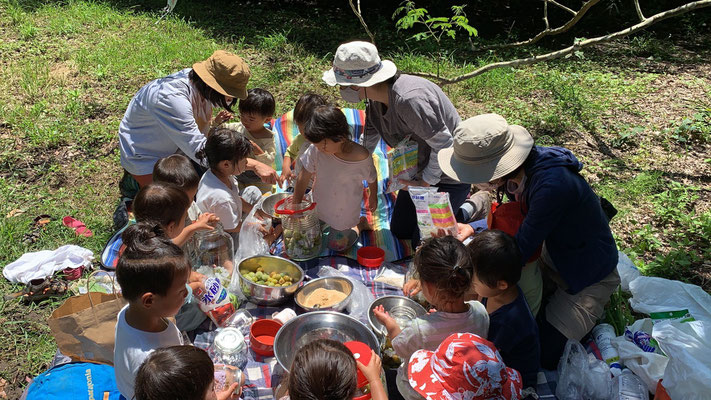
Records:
x=338, y=190
x=215, y=197
x=429, y=331
x=133, y=346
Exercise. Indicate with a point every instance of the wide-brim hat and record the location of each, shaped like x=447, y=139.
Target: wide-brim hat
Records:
x=485, y=148
x=463, y=366
x=358, y=63
x=225, y=72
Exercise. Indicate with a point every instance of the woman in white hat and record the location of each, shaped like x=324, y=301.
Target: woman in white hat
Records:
x=399, y=107
x=561, y=213
x=175, y=113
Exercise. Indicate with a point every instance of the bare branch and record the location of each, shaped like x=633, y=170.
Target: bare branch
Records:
x=358, y=14
x=639, y=10
x=548, y=32
x=545, y=14
x=576, y=46
x=555, y=3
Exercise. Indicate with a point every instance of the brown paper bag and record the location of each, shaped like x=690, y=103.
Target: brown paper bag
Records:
x=84, y=326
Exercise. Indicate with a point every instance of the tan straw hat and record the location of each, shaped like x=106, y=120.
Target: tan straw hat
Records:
x=358, y=63
x=225, y=72
x=485, y=148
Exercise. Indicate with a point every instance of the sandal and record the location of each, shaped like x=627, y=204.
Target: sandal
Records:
x=41, y=289
x=38, y=225
x=77, y=225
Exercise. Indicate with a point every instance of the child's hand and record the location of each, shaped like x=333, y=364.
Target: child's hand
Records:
x=385, y=318
x=206, y=221
x=256, y=149
x=286, y=175
x=373, y=369
x=195, y=277
x=411, y=287
x=464, y=231
x=229, y=393
x=222, y=116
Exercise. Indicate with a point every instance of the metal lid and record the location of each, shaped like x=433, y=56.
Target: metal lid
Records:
x=229, y=340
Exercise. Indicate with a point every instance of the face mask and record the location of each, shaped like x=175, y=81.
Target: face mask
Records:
x=349, y=95
x=516, y=188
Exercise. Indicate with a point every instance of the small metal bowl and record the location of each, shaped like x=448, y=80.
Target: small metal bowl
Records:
x=340, y=284
x=268, y=295
x=339, y=241
x=270, y=202
x=394, y=304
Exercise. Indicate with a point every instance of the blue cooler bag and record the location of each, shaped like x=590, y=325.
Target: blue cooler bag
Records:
x=76, y=381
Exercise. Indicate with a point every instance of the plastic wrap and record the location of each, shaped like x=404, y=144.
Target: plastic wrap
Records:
x=361, y=297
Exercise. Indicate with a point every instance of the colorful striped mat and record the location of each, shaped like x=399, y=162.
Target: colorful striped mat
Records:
x=286, y=129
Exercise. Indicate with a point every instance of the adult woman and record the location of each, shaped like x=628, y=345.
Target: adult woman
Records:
x=399, y=107
x=175, y=113
x=561, y=214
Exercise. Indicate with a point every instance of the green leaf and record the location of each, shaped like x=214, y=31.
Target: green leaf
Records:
x=437, y=19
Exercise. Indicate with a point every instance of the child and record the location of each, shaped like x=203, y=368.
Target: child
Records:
x=152, y=273
x=512, y=328
x=325, y=369
x=464, y=366
x=255, y=111
x=341, y=166
x=302, y=112
x=178, y=170
x=180, y=372
x=445, y=275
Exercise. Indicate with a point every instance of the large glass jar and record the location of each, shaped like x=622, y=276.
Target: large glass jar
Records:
x=229, y=348
x=212, y=253
x=302, y=229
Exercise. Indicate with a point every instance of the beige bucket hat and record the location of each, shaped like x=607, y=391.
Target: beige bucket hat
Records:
x=225, y=72
x=358, y=63
x=485, y=148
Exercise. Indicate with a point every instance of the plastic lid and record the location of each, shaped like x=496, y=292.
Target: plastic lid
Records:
x=370, y=256
x=229, y=340
x=361, y=352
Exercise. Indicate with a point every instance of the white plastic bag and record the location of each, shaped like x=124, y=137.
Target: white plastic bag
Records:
x=648, y=366
x=627, y=270
x=651, y=294
x=688, y=345
x=360, y=298
x=580, y=377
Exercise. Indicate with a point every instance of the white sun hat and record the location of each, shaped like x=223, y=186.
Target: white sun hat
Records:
x=358, y=63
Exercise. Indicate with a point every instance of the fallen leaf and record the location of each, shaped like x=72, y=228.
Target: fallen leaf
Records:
x=14, y=212
x=3, y=385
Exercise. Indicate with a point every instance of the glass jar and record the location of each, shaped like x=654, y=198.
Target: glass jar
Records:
x=229, y=348
x=302, y=229
x=242, y=320
x=212, y=253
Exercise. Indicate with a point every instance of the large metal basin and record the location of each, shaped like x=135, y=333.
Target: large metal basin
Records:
x=268, y=295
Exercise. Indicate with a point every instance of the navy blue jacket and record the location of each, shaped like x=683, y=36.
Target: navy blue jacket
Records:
x=564, y=212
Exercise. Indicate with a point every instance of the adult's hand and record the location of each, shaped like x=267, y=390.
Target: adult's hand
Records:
x=407, y=183
x=266, y=173
x=464, y=231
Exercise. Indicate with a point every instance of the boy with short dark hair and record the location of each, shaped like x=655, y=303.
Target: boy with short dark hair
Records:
x=178, y=170
x=512, y=328
x=255, y=111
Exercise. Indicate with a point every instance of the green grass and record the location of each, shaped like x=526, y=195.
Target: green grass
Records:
x=70, y=68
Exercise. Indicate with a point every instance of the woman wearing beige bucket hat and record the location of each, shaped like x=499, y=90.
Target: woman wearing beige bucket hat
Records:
x=399, y=107
x=561, y=213
x=175, y=113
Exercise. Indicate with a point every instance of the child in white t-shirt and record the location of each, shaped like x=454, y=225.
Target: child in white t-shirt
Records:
x=341, y=166
x=445, y=276
x=152, y=272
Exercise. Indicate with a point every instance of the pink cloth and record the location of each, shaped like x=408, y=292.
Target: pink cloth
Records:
x=338, y=190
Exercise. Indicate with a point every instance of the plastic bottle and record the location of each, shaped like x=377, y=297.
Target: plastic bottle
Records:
x=603, y=335
x=215, y=301
x=628, y=386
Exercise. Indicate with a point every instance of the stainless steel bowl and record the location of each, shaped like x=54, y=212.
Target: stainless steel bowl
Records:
x=394, y=305
x=338, y=283
x=308, y=327
x=270, y=202
x=339, y=240
x=268, y=295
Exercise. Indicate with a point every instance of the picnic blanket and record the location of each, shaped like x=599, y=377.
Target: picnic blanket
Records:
x=286, y=129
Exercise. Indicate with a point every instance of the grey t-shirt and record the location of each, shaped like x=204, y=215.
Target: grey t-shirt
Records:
x=420, y=109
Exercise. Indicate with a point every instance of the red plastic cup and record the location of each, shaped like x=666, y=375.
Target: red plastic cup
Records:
x=261, y=336
x=371, y=256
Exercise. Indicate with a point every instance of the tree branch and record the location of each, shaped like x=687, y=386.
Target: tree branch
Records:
x=576, y=46
x=358, y=14
x=545, y=15
x=555, y=3
x=548, y=32
x=639, y=10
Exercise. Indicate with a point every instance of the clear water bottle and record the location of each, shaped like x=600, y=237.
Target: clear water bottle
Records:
x=628, y=386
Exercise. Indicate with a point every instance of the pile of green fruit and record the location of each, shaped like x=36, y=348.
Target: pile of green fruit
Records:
x=274, y=279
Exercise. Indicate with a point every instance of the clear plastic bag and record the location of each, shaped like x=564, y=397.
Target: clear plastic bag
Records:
x=402, y=164
x=579, y=377
x=251, y=237
x=391, y=274
x=360, y=298
x=434, y=211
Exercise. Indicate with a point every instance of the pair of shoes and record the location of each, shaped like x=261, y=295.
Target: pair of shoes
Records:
x=77, y=225
x=41, y=289
x=38, y=225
